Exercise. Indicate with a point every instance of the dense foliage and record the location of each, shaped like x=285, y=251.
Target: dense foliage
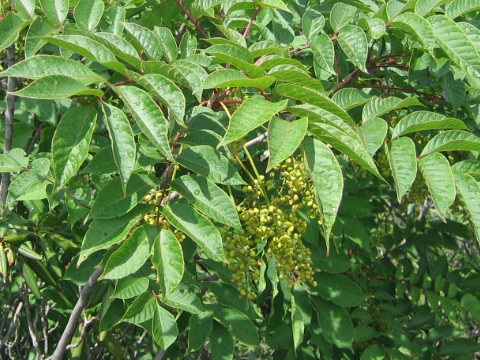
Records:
x=250, y=179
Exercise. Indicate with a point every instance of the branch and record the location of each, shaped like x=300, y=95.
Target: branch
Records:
x=192, y=19
x=75, y=315
x=249, y=25
x=5, y=183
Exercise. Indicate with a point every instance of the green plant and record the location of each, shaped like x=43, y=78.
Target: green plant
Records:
x=247, y=179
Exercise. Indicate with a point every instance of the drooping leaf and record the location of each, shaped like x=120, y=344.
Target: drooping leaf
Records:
x=10, y=28
x=341, y=14
x=339, y=289
x=237, y=323
x=211, y=164
x=184, y=299
x=458, y=8
x=27, y=6
x=164, y=327
x=251, y=114
x=423, y=7
x=346, y=144
x=168, y=93
x=238, y=56
x=298, y=325
x=335, y=322
x=439, y=179
x=118, y=46
x=274, y=4
x=200, y=328
x=284, y=137
x=112, y=201
x=168, y=260
x=456, y=44
x=197, y=227
x=123, y=143
x=71, y=142
x=451, y=140
x=208, y=198
x=403, y=163
x=13, y=160
x=469, y=189
x=56, y=10
x=225, y=78
x=417, y=26
x=46, y=65
x=350, y=98
x=294, y=76
x=373, y=133
x=56, y=87
x=104, y=233
x=425, y=120
x=130, y=286
x=148, y=116
x=378, y=107
x=141, y=309
x=221, y=343
x=323, y=52
x=353, y=42
x=470, y=167
x=453, y=90
x=167, y=43
x=88, y=13
x=312, y=23
x=32, y=184
x=133, y=253
x=327, y=178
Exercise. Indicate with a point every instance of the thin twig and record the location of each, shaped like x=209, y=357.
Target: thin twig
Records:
x=31, y=326
x=250, y=23
x=75, y=315
x=8, y=137
x=192, y=19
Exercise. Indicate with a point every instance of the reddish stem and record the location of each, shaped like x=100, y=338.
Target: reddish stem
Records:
x=232, y=101
x=192, y=19
x=250, y=23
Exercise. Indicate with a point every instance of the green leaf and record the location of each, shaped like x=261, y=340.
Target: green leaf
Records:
x=188, y=45
x=469, y=189
x=167, y=43
x=71, y=142
x=423, y=7
x=339, y=289
x=453, y=90
x=123, y=143
x=168, y=93
x=277, y=61
x=312, y=23
x=200, y=328
x=458, y=347
x=118, y=46
x=225, y=78
x=417, y=26
x=130, y=286
x=284, y=137
x=184, y=299
x=294, y=76
x=341, y=14
x=88, y=13
x=452, y=140
x=237, y=323
x=32, y=184
x=349, y=98
x=274, y=4
x=13, y=161
x=438, y=176
x=104, y=233
x=45, y=65
x=251, y=114
x=346, y=144
x=373, y=352
x=212, y=164
x=185, y=218
x=208, y=198
x=164, y=327
x=353, y=42
x=133, y=253
x=458, y=8
x=327, y=178
x=403, y=163
x=145, y=39
x=323, y=52
x=425, y=120
x=236, y=55
x=168, y=260
x=336, y=324
x=470, y=167
x=373, y=133
x=230, y=296
x=298, y=325
x=315, y=98
x=112, y=201
x=142, y=309
x=27, y=6
x=221, y=343
x=265, y=47
x=148, y=116
x=56, y=87
x=459, y=48
x=31, y=280
x=56, y=10
x=10, y=28
x=378, y=106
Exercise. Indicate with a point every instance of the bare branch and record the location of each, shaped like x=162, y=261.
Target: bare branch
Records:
x=75, y=315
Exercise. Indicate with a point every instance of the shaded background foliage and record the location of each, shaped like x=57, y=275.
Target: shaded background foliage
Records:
x=140, y=150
